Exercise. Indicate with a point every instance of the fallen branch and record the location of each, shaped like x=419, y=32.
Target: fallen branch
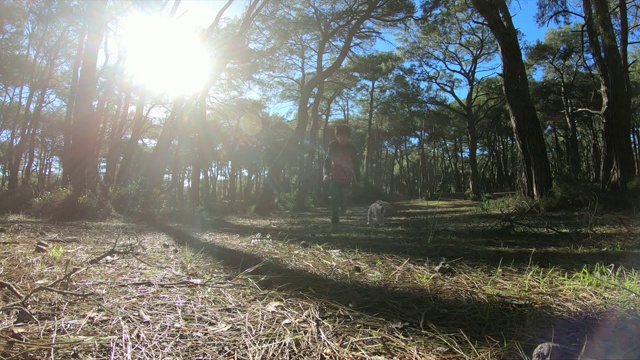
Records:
x=111, y=252
x=12, y=288
x=23, y=311
x=532, y=226
x=128, y=250
x=172, y=284
x=400, y=267
x=50, y=287
x=62, y=292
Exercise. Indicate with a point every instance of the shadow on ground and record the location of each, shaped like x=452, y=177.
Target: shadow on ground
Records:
x=423, y=232
x=452, y=231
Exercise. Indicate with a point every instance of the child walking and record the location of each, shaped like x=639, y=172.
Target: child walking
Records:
x=341, y=168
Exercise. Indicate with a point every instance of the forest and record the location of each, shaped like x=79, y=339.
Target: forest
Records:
x=442, y=97
x=162, y=192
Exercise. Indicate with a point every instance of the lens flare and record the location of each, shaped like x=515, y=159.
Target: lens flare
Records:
x=164, y=55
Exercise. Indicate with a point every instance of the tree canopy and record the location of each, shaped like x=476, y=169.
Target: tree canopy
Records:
x=442, y=96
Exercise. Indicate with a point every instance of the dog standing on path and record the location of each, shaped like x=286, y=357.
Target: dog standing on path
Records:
x=377, y=210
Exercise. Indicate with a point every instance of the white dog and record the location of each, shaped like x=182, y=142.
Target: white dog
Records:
x=377, y=209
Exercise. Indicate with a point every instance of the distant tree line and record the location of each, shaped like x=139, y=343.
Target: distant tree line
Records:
x=443, y=97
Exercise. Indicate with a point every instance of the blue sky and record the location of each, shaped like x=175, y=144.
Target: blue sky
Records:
x=203, y=12
x=524, y=12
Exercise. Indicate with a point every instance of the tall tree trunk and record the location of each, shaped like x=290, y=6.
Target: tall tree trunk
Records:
x=618, y=167
x=392, y=179
x=34, y=129
x=474, y=179
x=558, y=151
x=369, y=135
x=573, y=151
x=68, y=117
x=124, y=171
x=16, y=152
x=636, y=146
x=114, y=150
x=458, y=171
x=233, y=179
x=596, y=155
x=308, y=176
x=177, y=178
x=198, y=150
x=18, y=133
x=524, y=119
x=158, y=162
x=249, y=185
x=424, y=172
x=84, y=133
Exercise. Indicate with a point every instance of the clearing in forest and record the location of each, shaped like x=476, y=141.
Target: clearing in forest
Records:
x=446, y=279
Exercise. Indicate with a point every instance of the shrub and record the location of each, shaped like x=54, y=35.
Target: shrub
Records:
x=285, y=200
x=568, y=194
x=16, y=201
x=366, y=194
x=63, y=204
x=93, y=207
x=516, y=202
x=633, y=192
x=128, y=200
x=49, y=202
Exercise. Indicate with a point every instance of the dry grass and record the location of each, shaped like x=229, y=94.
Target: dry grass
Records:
x=285, y=287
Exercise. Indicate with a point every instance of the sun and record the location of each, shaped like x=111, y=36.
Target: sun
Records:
x=164, y=55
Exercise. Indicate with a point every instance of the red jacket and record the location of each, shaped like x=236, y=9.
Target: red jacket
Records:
x=342, y=162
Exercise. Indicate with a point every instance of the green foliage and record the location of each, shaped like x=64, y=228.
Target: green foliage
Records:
x=188, y=258
x=606, y=278
x=633, y=194
x=286, y=200
x=469, y=196
x=63, y=204
x=367, y=194
x=220, y=208
x=568, y=194
x=93, y=207
x=128, y=200
x=56, y=252
x=49, y=202
x=490, y=203
x=17, y=201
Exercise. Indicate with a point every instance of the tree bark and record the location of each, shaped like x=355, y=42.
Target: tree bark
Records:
x=115, y=143
x=16, y=151
x=196, y=165
x=308, y=176
x=157, y=163
x=34, y=128
x=124, y=171
x=68, y=117
x=618, y=167
x=369, y=135
x=527, y=129
x=84, y=133
x=573, y=149
x=474, y=179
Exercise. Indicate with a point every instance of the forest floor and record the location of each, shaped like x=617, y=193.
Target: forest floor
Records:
x=242, y=286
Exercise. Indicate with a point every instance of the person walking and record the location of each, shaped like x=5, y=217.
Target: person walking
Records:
x=341, y=170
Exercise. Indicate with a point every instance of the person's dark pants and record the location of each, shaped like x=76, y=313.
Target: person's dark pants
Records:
x=337, y=191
